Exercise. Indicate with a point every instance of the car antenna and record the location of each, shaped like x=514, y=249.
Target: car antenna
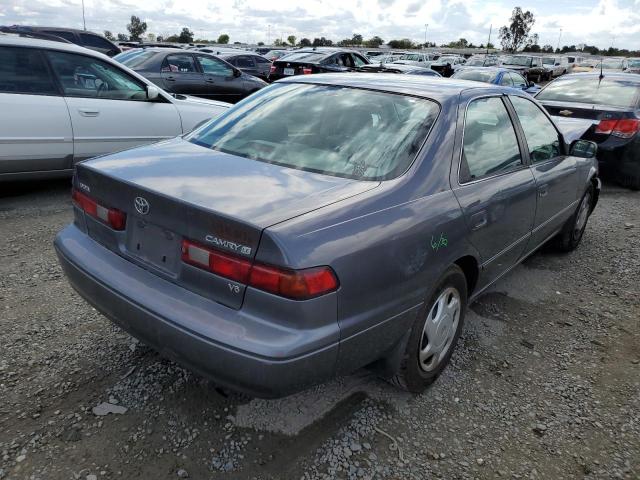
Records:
x=601, y=74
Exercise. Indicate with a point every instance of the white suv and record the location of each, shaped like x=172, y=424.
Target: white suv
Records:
x=61, y=103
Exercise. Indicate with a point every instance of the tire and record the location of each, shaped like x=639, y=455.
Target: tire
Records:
x=573, y=230
x=416, y=374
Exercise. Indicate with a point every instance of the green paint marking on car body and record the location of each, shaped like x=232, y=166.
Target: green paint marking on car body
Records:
x=437, y=243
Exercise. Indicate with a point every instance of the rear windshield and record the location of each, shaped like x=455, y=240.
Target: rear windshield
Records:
x=615, y=92
x=522, y=61
x=135, y=60
x=612, y=64
x=336, y=131
x=476, y=75
x=309, y=57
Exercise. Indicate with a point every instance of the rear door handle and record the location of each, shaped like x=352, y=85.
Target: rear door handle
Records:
x=88, y=113
x=479, y=220
x=170, y=78
x=543, y=190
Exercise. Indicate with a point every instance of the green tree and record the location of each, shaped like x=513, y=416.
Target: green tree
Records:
x=108, y=35
x=223, y=39
x=172, y=39
x=291, y=39
x=305, y=42
x=516, y=35
x=261, y=44
x=356, y=39
x=122, y=37
x=159, y=38
x=322, y=42
x=186, y=36
x=136, y=28
x=374, y=42
x=404, y=43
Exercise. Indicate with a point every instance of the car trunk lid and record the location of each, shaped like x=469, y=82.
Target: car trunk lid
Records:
x=177, y=190
x=596, y=121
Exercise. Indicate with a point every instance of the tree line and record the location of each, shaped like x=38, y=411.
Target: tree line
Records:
x=514, y=37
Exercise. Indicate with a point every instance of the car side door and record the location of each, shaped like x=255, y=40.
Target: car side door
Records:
x=493, y=184
x=263, y=65
x=247, y=64
x=35, y=132
x=109, y=108
x=180, y=74
x=222, y=82
x=555, y=171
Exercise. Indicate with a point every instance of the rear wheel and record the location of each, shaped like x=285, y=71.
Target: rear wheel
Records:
x=434, y=333
x=573, y=230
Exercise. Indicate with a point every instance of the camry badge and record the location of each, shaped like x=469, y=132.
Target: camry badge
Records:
x=142, y=205
x=566, y=113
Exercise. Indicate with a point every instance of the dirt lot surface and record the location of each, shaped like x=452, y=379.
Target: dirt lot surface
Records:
x=544, y=385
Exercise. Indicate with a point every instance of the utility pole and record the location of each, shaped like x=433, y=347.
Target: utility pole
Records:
x=84, y=23
x=426, y=27
x=559, y=37
x=489, y=41
x=269, y=36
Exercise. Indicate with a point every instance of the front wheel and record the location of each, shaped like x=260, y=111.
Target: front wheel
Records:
x=572, y=233
x=434, y=333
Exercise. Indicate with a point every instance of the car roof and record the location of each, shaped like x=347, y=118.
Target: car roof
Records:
x=423, y=86
x=488, y=69
x=15, y=40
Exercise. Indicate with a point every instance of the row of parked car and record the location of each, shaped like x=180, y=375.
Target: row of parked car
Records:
x=63, y=95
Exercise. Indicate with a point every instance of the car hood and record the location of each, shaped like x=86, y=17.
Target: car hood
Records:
x=257, y=193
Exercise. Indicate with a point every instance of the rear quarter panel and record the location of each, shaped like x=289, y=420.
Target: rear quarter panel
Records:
x=388, y=247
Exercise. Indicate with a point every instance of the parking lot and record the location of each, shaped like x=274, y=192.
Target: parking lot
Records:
x=544, y=384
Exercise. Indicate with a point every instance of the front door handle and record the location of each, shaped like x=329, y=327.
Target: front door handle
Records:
x=170, y=78
x=479, y=220
x=88, y=113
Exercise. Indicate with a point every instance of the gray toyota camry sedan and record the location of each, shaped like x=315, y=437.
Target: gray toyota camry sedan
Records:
x=325, y=223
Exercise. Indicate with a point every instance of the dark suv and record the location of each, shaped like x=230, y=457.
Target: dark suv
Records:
x=317, y=60
x=529, y=66
x=83, y=38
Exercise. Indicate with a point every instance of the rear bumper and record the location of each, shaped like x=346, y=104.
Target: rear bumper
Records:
x=188, y=328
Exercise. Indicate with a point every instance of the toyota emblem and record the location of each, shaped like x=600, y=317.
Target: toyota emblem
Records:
x=142, y=205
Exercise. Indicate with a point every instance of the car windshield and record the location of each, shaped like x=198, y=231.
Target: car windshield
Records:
x=612, y=64
x=522, y=61
x=136, y=60
x=121, y=57
x=548, y=61
x=475, y=62
x=309, y=57
x=338, y=131
x=485, y=76
x=635, y=63
x=608, y=91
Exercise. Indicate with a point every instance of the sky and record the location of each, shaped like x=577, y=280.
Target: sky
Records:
x=602, y=23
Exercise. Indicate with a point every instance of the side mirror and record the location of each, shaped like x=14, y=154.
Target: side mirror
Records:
x=236, y=72
x=583, y=149
x=152, y=92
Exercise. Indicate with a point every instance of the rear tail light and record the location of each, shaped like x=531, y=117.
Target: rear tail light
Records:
x=110, y=216
x=623, y=128
x=224, y=265
x=307, y=71
x=626, y=128
x=294, y=284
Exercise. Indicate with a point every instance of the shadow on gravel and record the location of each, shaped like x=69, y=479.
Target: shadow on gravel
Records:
x=35, y=187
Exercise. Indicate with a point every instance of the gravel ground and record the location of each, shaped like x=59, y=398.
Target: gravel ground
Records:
x=544, y=385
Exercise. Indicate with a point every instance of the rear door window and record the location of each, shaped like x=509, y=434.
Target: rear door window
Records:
x=23, y=70
x=518, y=80
x=542, y=137
x=180, y=63
x=245, y=61
x=490, y=144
